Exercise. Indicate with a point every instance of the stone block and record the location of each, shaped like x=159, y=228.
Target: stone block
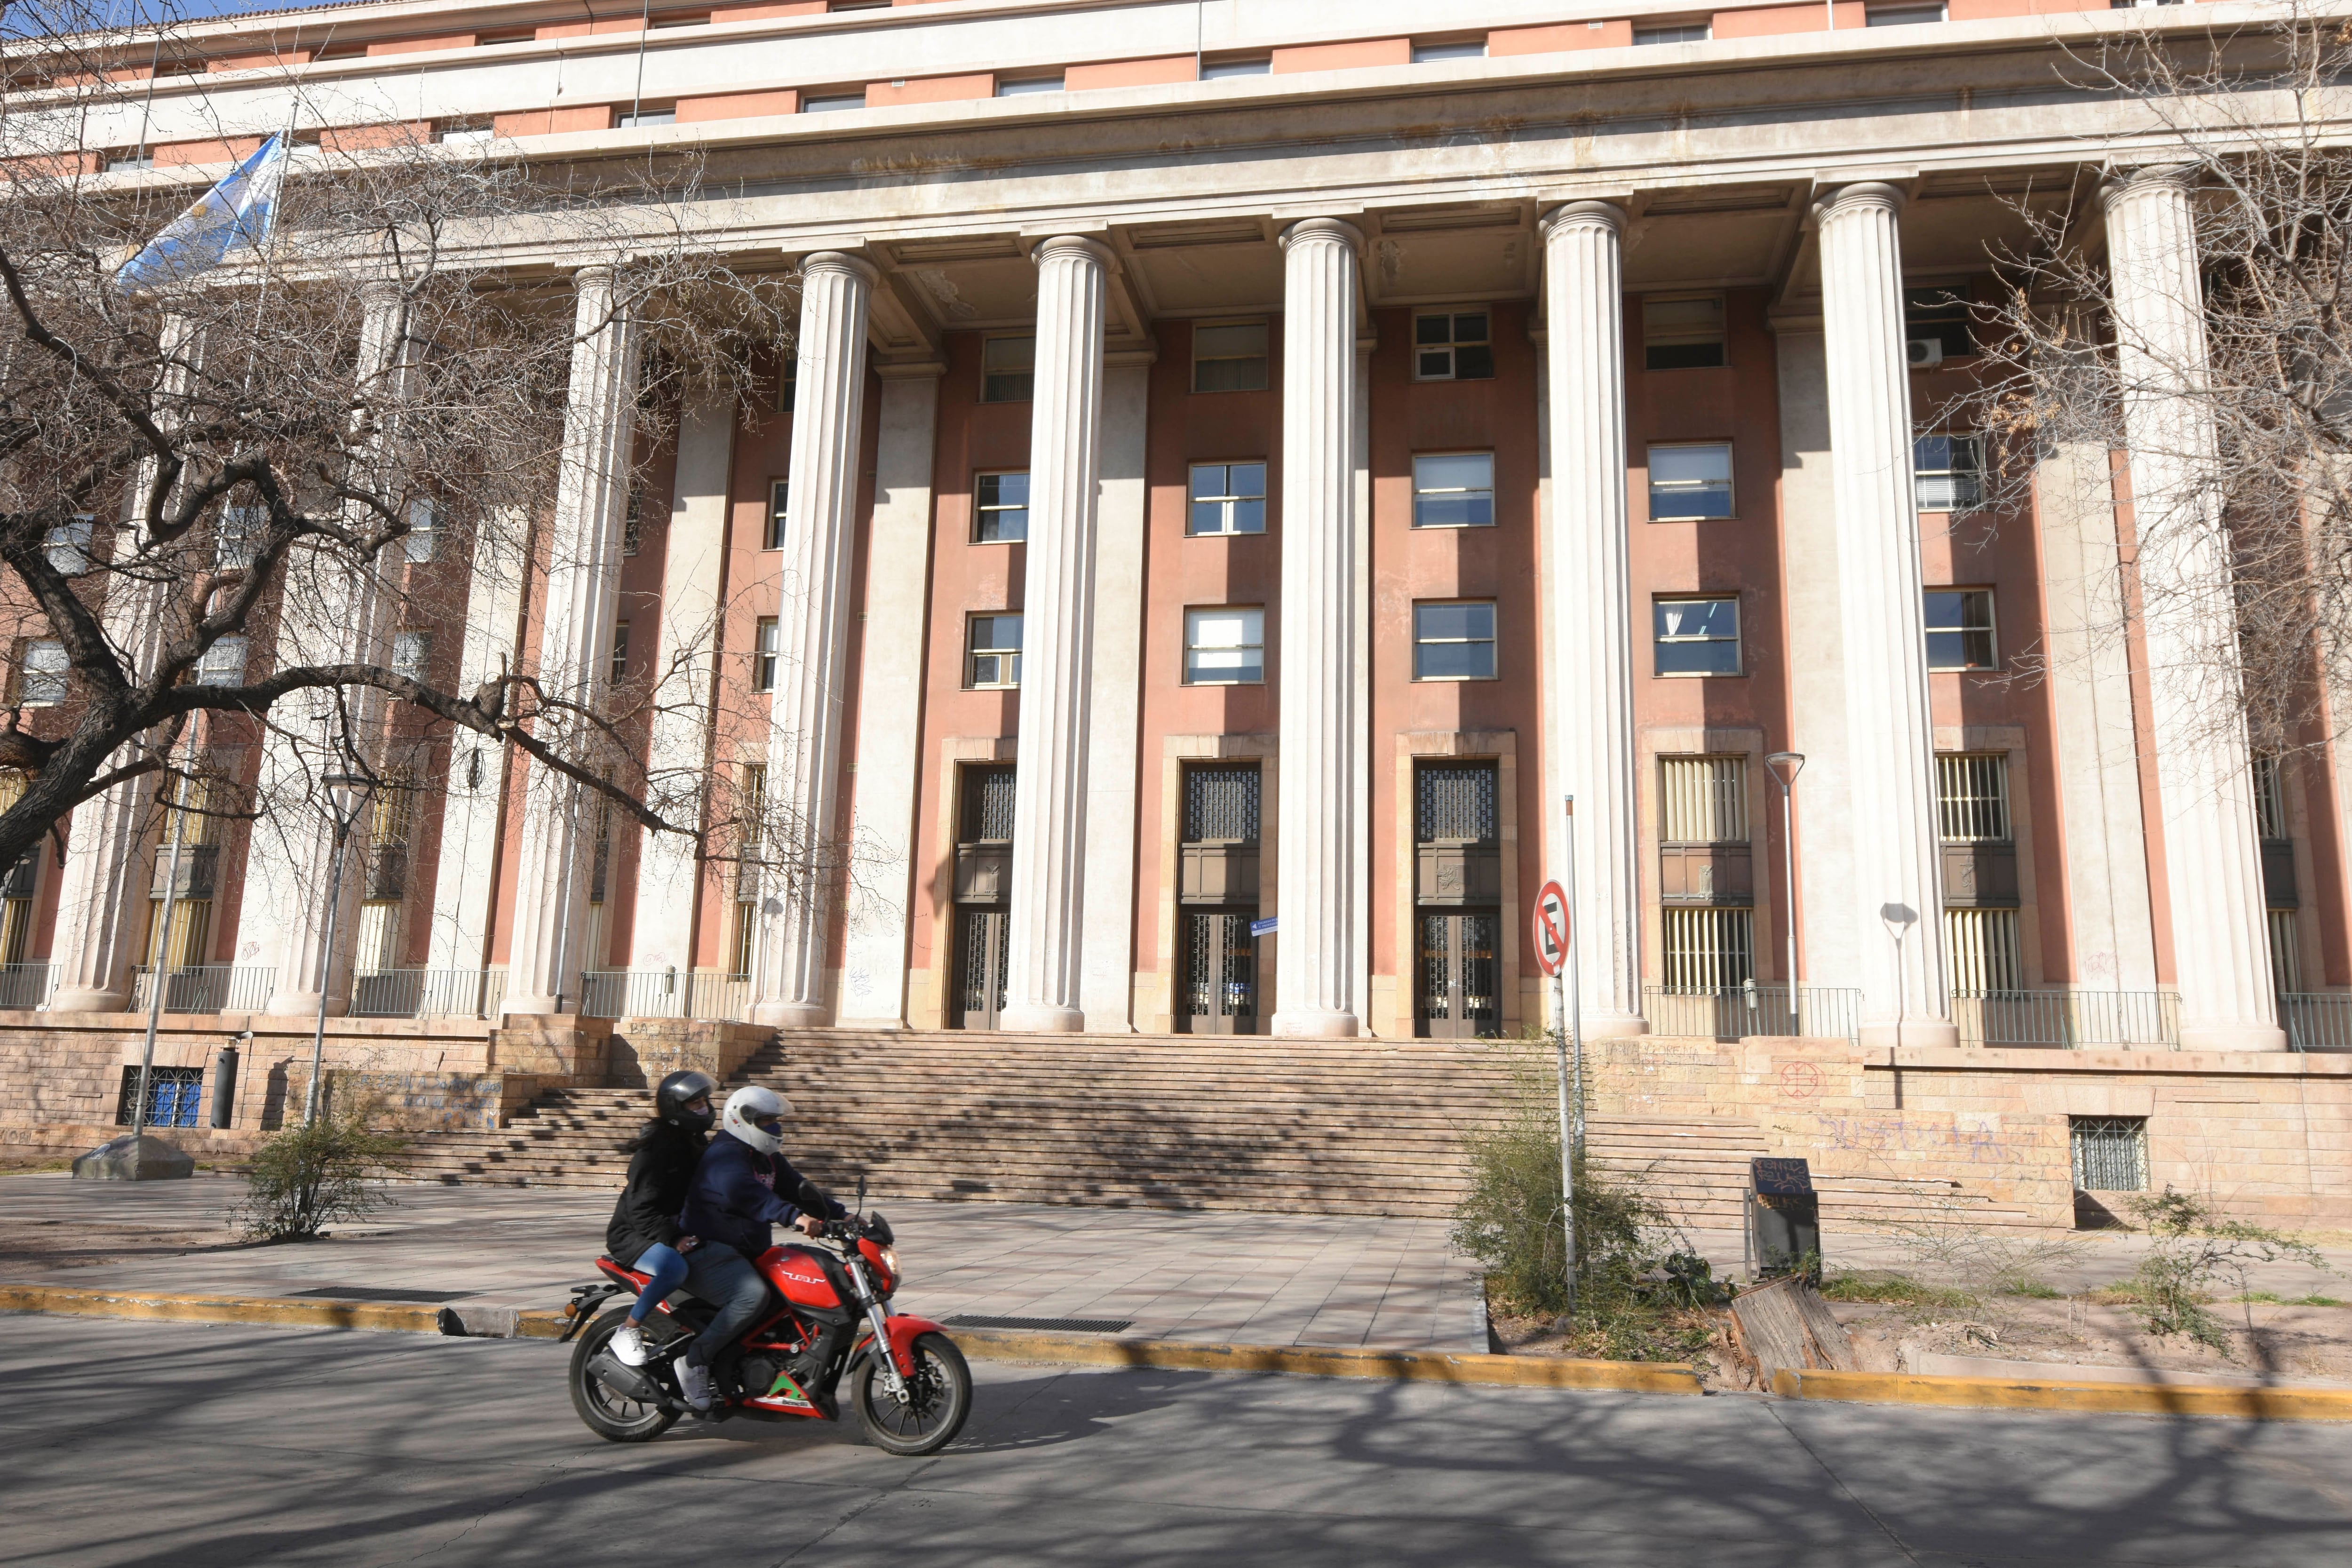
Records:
x=140, y=1158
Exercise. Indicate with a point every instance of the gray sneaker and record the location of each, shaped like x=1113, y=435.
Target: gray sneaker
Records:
x=628, y=1345
x=694, y=1382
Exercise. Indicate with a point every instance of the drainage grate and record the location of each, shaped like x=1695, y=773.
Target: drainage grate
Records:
x=382, y=1294
x=1055, y=1325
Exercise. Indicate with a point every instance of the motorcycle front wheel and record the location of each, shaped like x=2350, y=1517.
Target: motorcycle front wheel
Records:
x=936, y=1399
x=611, y=1414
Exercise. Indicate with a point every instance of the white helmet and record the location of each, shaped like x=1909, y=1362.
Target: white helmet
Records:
x=749, y=1106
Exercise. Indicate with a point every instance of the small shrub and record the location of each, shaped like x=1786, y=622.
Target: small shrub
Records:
x=1894, y=1289
x=2037, y=1290
x=2189, y=1246
x=309, y=1177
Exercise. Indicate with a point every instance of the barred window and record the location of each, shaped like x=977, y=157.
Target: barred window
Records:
x=2110, y=1153
x=1981, y=947
x=1703, y=800
x=2270, y=799
x=2286, y=966
x=1221, y=804
x=1454, y=802
x=173, y=1095
x=988, y=805
x=1972, y=797
x=1709, y=949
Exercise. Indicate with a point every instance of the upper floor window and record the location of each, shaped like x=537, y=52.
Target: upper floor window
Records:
x=1459, y=49
x=1948, y=472
x=140, y=157
x=1454, y=640
x=1935, y=325
x=1959, y=628
x=767, y=645
x=1697, y=636
x=1248, y=65
x=778, y=511
x=466, y=136
x=1690, y=482
x=1682, y=331
x=422, y=541
x=1020, y=85
x=1453, y=346
x=41, y=667
x=1001, y=514
x=788, y=382
x=1008, y=370
x=237, y=538
x=1225, y=647
x=1672, y=33
x=1230, y=358
x=828, y=102
x=643, y=119
x=1903, y=15
x=66, y=545
x=223, y=663
x=620, y=651
x=410, y=650
x=1453, y=489
x=993, y=659
x=1226, y=498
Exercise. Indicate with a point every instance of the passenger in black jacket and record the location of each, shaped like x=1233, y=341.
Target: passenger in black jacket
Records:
x=645, y=1233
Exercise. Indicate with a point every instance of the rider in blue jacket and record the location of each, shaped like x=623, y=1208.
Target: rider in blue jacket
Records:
x=741, y=1188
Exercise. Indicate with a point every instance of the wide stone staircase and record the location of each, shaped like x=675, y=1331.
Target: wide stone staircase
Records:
x=1366, y=1127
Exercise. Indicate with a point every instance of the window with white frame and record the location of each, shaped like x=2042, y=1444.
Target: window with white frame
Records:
x=1022, y=86
x=643, y=119
x=1947, y=473
x=1453, y=489
x=1903, y=16
x=1672, y=33
x=1455, y=49
x=1224, y=646
x=1454, y=640
x=1008, y=370
x=767, y=646
x=41, y=669
x=422, y=541
x=1453, y=345
x=1230, y=356
x=1691, y=482
x=1682, y=331
x=993, y=661
x=1226, y=498
x=1959, y=628
x=620, y=651
x=779, y=498
x=223, y=663
x=68, y=544
x=238, y=536
x=1248, y=65
x=1696, y=635
x=1708, y=949
x=832, y=103
x=409, y=652
x=1000, y=509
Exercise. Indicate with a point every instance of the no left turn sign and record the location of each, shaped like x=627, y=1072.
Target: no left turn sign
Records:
x=1551, y=927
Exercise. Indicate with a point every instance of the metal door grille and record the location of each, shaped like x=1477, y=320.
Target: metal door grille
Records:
x=988, y=805
x=1220, y=968
x=2110, y=1154
x=2270, y=800
x=984, y=937
x=1455, y=802
x=173, y=1095
x=1704, y=799
x=1710, y=950
x=1972, y=797
x=2285, y=969
x=1982, y=949
x=1459, y=995
x=1220, y=804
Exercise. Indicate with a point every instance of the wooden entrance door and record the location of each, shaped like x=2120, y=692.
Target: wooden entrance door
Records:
x=1219, y=990
x=1456, y=979
x=981, y=933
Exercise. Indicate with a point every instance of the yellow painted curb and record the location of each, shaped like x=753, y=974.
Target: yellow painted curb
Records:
x=2085, y=1398
x=1407, y=1366
x=280, y=1311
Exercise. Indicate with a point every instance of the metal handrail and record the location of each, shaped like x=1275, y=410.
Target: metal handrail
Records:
x=2069, y=1018
x=208, y=988
x=664, y=994
x=428, y=993
x=26, y=987
x=2316, y=1020
x=1735, y=1012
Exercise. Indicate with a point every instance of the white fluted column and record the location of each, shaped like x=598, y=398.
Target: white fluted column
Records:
x=335, y=608
x=102, y=897
x=2213, y=872
x=805, y=715
x=575, y=649
x=1320, y=942
x=1898, y=854
x=1044, y=949
x=1592, y=584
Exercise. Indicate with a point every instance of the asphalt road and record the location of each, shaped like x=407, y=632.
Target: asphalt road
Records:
x=189, y=1446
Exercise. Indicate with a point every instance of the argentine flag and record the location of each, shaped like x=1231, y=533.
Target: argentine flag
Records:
x=240, y=210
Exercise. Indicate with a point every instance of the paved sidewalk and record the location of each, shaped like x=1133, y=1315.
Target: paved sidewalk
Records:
x=1255, y=1279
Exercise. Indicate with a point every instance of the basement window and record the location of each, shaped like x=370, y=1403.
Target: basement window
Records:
x=2110, y=1153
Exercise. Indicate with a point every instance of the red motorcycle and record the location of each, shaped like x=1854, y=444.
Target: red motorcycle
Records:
x=827, y=1315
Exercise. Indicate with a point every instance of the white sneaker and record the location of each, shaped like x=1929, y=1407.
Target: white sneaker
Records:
x=694, y=1382
x=628, y=1345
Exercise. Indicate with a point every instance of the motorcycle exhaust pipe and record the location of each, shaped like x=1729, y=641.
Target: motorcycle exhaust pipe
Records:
x=626, y=1380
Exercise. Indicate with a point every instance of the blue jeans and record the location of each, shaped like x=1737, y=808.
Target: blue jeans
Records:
x=724, y=1277
x=667, y=1267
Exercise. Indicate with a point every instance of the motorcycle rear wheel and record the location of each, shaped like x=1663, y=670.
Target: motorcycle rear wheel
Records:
x=939, y=1398
x=609, y=1412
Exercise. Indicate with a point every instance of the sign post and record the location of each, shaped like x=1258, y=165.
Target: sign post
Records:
x=1552, y=936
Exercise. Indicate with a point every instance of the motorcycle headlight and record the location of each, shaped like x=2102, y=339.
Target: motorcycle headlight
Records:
x=889, y=1256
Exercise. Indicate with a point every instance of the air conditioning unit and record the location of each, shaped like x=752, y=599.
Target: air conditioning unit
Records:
x=1923, y=351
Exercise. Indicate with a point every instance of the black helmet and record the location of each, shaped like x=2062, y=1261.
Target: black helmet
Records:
x=669, y=1099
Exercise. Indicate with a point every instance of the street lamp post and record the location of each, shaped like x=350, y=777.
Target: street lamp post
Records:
x=1785, y=766
x=347, y=796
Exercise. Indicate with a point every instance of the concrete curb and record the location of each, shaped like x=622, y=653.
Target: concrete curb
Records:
x=983, y=1344
x=2082, y=1398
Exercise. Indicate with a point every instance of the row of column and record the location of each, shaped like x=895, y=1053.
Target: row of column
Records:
x=2213, y=872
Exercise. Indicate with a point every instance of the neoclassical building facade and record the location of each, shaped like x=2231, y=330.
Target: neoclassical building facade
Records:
x=1243, y=469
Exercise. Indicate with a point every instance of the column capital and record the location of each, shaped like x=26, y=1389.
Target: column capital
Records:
x=1330, y=228
x=2120, y=182
x=1075, y=245
x=1582, y=215
x=842, y=262
x=1862, y=193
